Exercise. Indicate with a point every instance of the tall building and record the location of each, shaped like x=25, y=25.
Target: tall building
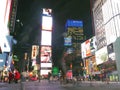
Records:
x=8, y=10
x=99, y=23
x=106, y=16
x=72, y=42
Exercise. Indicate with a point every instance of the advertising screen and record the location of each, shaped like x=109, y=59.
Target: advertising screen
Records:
x=67, y=41
x=89, y=47
x=74, y=23
x=4, y=15
x=76, y=33
x=45, y=72
x=47, y=65
x=83, y=50
x=35, y=49
x=46, y=23
x=5, y=43
x=46, y=38
x=2, y=10
x=101, y=55
x=45, y=54
x=47, y=11
x=93, y=46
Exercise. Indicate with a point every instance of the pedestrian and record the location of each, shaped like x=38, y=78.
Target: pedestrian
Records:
x=5, y=75
x=11, y=76
x=49, y=76
x=16, y=75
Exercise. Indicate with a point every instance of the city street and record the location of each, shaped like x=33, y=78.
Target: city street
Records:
x=55, y=85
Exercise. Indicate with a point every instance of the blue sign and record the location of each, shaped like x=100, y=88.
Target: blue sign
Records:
x=67, y=41
x=74, y=23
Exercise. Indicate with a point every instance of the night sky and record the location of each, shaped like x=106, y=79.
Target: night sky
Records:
x=29, y=14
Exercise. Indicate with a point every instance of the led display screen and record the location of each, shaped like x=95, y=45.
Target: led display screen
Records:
x=4, y=15
x=101, y=55
x=74, y=23
x=35, y=49
x=45, y=72
x=67, y=41
x=46, y=23
x=46, y=38
x=45, y=54
x=47, y=11
x=46, y=65
x=89, y=47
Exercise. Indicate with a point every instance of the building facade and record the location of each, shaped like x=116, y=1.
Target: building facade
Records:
x=106, y=15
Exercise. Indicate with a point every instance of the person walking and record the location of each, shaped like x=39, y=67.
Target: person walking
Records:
x=49, y=76
x=16, y=75
x=11, y=76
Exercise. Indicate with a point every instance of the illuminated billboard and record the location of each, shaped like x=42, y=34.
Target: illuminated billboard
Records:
x=67, y=41
x=47, y=65
x=4, y=15
x=46, y=23
x=35, y=51
x=83, y=50
x=46, y=54
x=46, y=38
x=76, y=33
x=45, y=72
x=89, y=47
x=74, y=23
x=47, y=11
x=6, y=43
x=101, y=55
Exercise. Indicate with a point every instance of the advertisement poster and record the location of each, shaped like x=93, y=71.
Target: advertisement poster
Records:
x=45, y=54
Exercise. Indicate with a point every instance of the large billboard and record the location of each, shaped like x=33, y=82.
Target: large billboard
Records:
x=4, y=18
x=76, y=33
x=45, y=72
x=89, y=47
x=74, y=23
x=47, y=11
x=4, y=15
x=47, y=65
x=35, y=52
x=46, y=54
x=46, y=37
x=46, y=23
x=101, y=55
x=68, y=41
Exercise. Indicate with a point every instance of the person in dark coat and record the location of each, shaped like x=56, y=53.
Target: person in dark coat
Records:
x=11, y=76
x=49, y=76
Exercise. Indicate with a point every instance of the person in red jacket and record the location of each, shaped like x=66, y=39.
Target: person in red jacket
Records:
x=16, y=76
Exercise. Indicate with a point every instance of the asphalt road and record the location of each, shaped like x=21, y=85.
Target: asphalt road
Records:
x=45, y=85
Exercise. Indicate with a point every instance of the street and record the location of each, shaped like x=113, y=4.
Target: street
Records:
x=55, y=85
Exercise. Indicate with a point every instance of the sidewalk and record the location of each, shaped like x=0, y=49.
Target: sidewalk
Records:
x=95, y=84
x=12, y=86
x=42, y=83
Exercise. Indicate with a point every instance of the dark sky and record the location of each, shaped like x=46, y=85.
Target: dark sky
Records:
x=29, y=14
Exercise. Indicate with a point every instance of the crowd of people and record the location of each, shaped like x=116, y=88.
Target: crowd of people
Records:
x=9, y=76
